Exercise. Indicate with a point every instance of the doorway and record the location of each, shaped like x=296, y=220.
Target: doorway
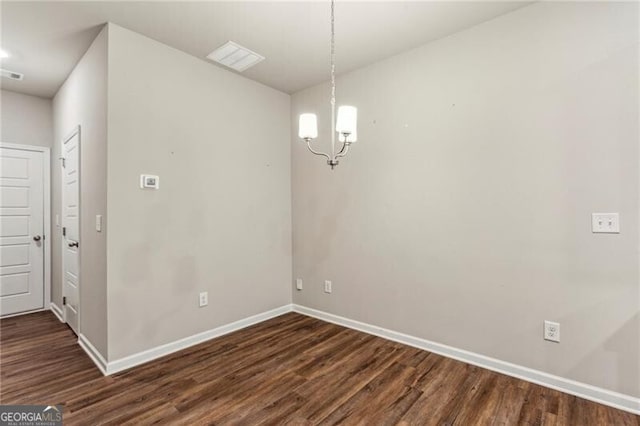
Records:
x=71, y=229
x=24, y=229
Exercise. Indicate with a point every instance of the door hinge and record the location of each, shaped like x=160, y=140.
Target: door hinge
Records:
x=63, y=161
x=64, y=300
x=64, y=231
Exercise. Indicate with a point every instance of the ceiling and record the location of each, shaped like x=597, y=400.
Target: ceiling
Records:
x=46, y=39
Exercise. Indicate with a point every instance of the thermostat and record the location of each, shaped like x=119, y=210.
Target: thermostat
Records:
x=149, y=181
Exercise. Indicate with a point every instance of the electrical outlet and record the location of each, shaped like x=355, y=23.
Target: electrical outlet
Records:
x=204, y=299
x=552, y=331
x=327, y=286
x=299, y=284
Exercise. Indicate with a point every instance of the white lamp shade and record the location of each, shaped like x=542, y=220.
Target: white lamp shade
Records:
x=347, y=119
x=353, y=137
x=308, y=126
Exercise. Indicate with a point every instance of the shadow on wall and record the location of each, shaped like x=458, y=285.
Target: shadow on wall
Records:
x=627, y=336
x=328, y=223
x=88, y=35
x=621, y=349
x=139, y=276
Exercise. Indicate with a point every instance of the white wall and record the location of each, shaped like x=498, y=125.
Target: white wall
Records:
x=82, y=101
x=221, y=220
x=462, y=215
x=25, y=119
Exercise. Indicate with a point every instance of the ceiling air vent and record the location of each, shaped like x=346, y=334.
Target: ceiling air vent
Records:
x=234, y=56
x=11, y=74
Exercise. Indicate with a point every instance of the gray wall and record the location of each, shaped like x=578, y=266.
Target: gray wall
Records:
x=221, y=220
x=463, y=213
x=82, y=100
x=25, y=119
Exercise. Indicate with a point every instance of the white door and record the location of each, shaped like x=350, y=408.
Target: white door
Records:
x=21, y=231
x=71, y=229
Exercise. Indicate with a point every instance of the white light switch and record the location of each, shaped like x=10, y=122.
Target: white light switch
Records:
x=607, y=223
x=99, y=222
x=299, y=284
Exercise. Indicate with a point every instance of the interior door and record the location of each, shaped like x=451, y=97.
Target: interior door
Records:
x=71, y=229
x=21, y=230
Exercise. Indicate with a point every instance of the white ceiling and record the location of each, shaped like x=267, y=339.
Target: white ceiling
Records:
x=46, y=39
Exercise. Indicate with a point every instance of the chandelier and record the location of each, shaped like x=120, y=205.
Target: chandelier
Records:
x=346, y=125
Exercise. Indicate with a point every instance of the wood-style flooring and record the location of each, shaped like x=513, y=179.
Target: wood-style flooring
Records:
x=289, y=370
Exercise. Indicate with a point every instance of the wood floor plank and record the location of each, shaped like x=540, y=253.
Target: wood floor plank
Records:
x=383, y=391
x=479, y=404
x=510, y=401
x=290, y=370
x=348, y=377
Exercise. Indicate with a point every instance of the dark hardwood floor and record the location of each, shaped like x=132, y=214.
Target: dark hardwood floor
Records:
x=289, y=370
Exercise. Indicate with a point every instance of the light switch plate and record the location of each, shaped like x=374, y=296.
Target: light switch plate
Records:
x=149, y=182
x=605, y=223
x=99, y=222
x=299, y=284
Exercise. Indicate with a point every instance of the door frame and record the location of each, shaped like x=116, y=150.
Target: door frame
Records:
x=46, y=192
x=74, y=132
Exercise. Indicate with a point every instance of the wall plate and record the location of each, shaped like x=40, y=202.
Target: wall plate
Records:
x=149, y=182
x=552, y=331
x=605, y=223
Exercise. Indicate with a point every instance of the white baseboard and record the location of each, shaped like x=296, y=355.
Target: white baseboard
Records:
x=93, y=353
x=582, y=390
x=57, y=311
x=160, y=351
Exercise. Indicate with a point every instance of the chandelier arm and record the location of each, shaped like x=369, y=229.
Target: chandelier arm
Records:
x=344, y=145
x=316, y=152
x=344, y=150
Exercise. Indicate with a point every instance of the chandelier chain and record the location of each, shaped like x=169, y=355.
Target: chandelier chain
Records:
x=333, y=80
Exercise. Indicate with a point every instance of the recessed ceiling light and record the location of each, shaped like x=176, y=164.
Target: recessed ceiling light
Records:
x=4, y=54
x=234, y=56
